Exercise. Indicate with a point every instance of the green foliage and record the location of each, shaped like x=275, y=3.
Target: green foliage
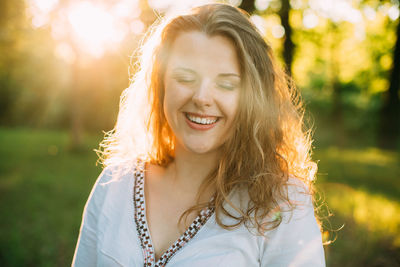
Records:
x=39, y=89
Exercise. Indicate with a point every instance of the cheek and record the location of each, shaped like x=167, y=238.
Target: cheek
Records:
x=169, y=107
x=231, y=106
x=175, y=98
x=168, y=104
x=169, y=96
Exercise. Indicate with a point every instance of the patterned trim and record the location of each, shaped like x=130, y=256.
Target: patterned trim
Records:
x=143, y=230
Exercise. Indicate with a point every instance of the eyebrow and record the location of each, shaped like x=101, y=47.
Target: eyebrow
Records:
x=229, y=75
x=221, y=75
x=185, y=69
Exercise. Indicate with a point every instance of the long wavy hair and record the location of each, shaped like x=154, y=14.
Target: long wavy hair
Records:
x=269, y=143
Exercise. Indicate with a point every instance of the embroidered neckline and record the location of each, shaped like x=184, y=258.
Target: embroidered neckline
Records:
x=143, y=230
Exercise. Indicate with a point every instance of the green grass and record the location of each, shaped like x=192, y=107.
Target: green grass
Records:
x=43, y=189
x=362, y=190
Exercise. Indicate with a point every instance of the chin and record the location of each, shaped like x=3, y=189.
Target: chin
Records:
x=199, y=149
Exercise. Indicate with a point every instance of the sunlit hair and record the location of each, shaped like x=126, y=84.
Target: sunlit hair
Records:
x=268, y=144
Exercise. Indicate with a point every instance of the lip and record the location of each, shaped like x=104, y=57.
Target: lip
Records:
x=200, y=127
x=201, y=115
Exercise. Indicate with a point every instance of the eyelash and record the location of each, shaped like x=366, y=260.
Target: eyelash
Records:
x=181, y=79
x=188, y=80
x=226, y=85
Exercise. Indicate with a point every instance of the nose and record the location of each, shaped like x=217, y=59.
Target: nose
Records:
x=202, y=96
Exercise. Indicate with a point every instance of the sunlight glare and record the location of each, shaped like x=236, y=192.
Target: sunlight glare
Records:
x=296, y=4
x=354, y=16
x=278, y=31
x=172, y=7
x=393, y=12
x=160, y=4
x=65, y=52
x=369, y=13
x=127, y=9
x=39, y=20
x=94, y=28
x=44, y=6
x=310, y=20
x=336, y=10
x=40, y=9
x=58, y=29
x=137, y=26
x=259, y=22
x=262, y=4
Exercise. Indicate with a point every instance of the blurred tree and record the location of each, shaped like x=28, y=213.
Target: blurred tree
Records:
x=390, y=112
x=248, y=6
x=12, y=26
x=288, y=45
x=284, y=13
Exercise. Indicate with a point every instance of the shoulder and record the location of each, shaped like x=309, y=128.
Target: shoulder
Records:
x=299, y=196
x=298, y=200
x=111, y=183
x=110, y=176
x=297, y=211
x=297, y=240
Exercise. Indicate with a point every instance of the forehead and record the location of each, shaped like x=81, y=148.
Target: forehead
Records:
x=208, y=53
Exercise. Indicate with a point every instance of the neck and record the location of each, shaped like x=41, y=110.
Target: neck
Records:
x=189, y=170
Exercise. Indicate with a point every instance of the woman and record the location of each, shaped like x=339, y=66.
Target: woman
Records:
x=208, y=164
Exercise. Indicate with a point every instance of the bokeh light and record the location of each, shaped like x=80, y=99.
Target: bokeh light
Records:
x=259, y=22
x=87, y=27
x=262, y=4
x=94, y=28
x=310, y=19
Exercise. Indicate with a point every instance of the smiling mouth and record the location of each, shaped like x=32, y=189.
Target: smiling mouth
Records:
x=201, y=120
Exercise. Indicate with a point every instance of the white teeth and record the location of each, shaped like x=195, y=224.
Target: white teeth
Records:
x=201, y=120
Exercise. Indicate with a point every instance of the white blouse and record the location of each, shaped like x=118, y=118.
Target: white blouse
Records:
x=114, y=232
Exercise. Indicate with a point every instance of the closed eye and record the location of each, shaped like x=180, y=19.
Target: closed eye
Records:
x=227, y=84
x=184, y=76
x=184, y=79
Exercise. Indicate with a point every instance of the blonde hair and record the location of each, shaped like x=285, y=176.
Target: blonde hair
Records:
x=268, y=143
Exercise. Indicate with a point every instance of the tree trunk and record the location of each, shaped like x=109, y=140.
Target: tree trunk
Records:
x=288, y=45
x=248, y=5
x=390, y=113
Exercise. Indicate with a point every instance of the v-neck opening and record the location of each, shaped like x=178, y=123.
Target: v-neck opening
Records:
x=144, y=231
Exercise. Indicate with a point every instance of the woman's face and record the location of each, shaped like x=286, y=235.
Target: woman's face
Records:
x=202, y=85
